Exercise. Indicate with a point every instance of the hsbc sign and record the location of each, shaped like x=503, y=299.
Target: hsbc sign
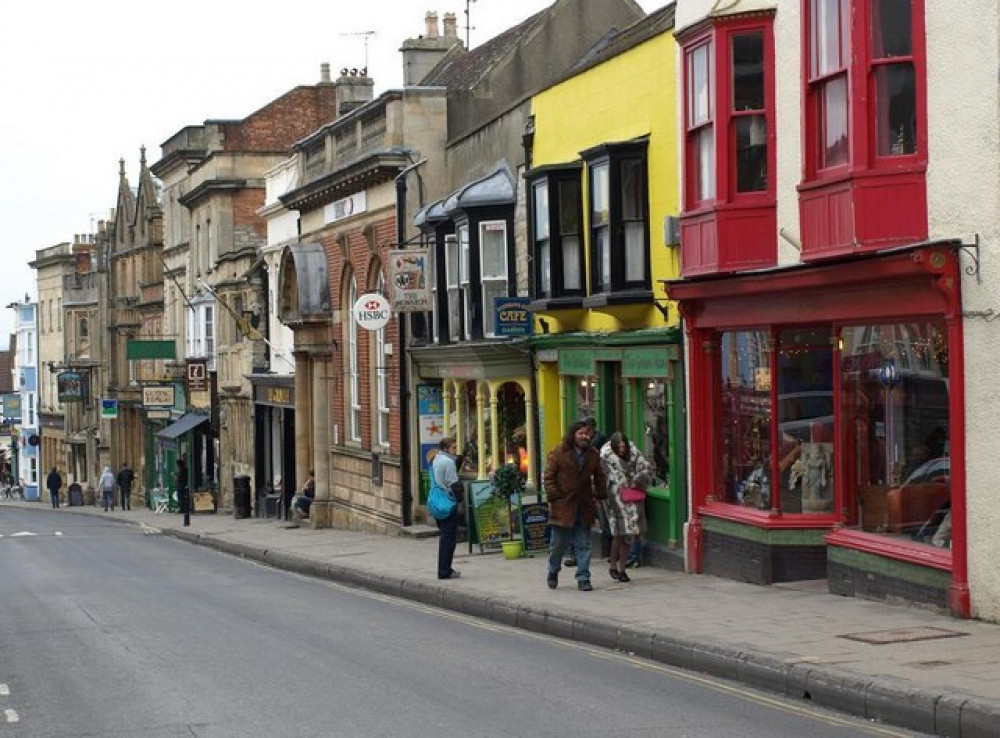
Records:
x=372, y=311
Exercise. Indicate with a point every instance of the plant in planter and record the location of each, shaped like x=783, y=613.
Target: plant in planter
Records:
x=508, y=481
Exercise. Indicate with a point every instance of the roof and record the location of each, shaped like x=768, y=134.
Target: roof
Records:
x=616, y=42
x=461, y=69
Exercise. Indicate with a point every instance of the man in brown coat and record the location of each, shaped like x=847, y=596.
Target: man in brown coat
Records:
x=573, y=479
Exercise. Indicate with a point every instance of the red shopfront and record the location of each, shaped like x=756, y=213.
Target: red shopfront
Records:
x=827, y=425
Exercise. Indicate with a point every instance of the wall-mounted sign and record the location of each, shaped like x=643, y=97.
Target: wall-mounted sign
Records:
x=70, y=386
x=512, y=316
x=109, y=408
x=197, y=375
x=409, y=290
x=158, y=414
x=372, y=311
x=159, y=395
x=345, y=207
x=430, y=414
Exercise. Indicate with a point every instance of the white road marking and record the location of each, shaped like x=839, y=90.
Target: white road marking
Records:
x=58, y=533
x=148, y=530
x=12, y=716
x=22, y=534
x=4, y=690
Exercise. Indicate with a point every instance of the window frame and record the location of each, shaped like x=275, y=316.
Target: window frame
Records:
x=381, y=377
x=555, y=178
x=618, y=287
x=353, y=406
x=488, y=312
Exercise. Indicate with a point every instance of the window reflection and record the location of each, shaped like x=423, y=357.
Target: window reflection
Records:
x=894, y=390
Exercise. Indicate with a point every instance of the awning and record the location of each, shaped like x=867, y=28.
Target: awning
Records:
x=183, y=425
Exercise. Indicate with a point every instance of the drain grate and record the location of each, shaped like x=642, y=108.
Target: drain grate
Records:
x=902, y=635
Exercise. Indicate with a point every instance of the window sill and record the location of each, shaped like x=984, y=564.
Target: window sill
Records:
x=556, y=303
x=891, y=548
x=608, y=299
x=767, y=519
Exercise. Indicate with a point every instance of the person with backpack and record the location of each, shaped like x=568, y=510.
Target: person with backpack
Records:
x=107, y=486
x=444, y=476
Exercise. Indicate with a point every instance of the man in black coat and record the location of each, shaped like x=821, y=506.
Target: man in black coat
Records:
x=53, y=482
x=125, y=478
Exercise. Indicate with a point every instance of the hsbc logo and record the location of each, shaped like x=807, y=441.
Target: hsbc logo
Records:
x=372, y=311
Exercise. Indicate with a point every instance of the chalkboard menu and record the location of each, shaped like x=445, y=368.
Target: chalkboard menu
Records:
x=535, y=526
x=75, y=495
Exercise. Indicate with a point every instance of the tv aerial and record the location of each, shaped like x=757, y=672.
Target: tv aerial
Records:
x=365, y=36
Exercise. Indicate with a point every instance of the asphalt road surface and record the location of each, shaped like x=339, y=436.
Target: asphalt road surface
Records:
x=109, y=630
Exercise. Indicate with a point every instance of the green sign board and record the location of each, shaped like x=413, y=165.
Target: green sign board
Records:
x=489, y=523
x=647, y=362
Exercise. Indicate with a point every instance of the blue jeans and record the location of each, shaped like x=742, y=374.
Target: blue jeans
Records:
x=109, y=499
x=446, y=543
x=562, y=537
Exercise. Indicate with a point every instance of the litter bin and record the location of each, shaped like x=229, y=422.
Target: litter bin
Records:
x=241, y=496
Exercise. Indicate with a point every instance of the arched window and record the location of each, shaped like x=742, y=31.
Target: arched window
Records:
x=381, y=377
x=353, y=369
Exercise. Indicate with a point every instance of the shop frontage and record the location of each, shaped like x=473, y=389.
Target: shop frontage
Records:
x=827, y=425
x=630, y=381
x=274, y=432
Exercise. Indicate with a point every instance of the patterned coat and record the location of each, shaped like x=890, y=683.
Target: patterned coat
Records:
x=570, y=486
x=625, y=518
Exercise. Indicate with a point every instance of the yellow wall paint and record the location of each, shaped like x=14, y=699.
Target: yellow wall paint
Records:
x=631, y=95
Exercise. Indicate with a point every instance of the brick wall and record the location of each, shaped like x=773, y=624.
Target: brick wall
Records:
x=282, y=122
x=249, y=230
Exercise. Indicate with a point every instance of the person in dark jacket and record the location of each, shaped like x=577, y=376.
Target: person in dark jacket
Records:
x=125, y=478
x=574, y=481
x=53, y=482
x=181, y=485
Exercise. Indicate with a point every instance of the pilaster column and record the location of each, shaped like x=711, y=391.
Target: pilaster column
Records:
x=303, y=420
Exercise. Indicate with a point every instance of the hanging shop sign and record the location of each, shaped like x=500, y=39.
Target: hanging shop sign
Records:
x=409, y=288
x=109, y=408
x=160, y=395
x=70, y=386
x=512, y=316
x=372, y=311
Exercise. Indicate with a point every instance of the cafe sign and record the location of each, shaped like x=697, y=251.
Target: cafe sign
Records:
x=512, y=316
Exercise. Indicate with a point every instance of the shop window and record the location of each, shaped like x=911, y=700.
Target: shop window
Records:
x=619, y=221
x=728, y=222
x=895, y=407
x=655, y=439
x=805, y=420
x=865, y=114
x=556, y=227
x=745, y=419
x=585, y=390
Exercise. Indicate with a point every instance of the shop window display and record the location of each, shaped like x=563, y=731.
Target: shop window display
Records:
x=655, y=437
x=745, y=437
x=894, y=401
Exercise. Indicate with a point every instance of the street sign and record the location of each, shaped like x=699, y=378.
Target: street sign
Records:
x=109, y=408
x=408, y=280
x=372, y=311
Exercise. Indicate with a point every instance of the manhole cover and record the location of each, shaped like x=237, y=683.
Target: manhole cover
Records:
x=902, y=635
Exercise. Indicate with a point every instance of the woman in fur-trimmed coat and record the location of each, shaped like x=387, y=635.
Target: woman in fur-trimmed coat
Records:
x=624, y=466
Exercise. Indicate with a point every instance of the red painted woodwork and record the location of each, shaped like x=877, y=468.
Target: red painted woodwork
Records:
x=870, y=201
x=919, y=282
x=734, y=230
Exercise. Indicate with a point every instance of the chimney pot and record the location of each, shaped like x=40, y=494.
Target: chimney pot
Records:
x=324, y=72
x=450, y=26
x=432, y=24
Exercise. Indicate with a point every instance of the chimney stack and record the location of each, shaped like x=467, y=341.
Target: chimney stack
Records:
x=450, y=26
x=431, y=19
x=324, y=73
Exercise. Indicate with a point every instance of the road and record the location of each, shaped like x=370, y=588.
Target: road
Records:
x=112, y=630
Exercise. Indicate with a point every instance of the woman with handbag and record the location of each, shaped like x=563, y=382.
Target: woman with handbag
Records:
x=443, y=504
x=629, y=474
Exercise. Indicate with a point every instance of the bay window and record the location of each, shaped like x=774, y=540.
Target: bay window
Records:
x=455, y=293
x=556, y=227
x=618, y=199
x=463, y=279
x=728, y=221
x=865, y=125
x=493, y=269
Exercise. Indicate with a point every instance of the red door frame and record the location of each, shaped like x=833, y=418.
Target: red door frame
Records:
x=911, y=282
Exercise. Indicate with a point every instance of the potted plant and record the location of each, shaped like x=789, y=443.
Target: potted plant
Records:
x=508, y=481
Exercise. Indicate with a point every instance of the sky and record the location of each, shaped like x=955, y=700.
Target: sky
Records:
x=85, y=84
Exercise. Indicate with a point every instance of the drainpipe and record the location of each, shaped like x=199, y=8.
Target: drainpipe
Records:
x=404, y=379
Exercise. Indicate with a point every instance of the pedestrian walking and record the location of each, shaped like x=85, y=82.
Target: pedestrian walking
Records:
x=574, y=481
x=625, y=467
x=53, y=482
x=181, y=485
x=125, y=478
x=107, y=486
x=444, y=474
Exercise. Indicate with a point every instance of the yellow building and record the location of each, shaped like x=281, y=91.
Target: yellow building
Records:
x=602, y=197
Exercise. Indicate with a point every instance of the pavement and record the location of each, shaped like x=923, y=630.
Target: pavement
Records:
x=890, y=663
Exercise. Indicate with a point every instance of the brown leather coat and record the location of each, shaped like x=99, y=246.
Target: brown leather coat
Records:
x=570, y=485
